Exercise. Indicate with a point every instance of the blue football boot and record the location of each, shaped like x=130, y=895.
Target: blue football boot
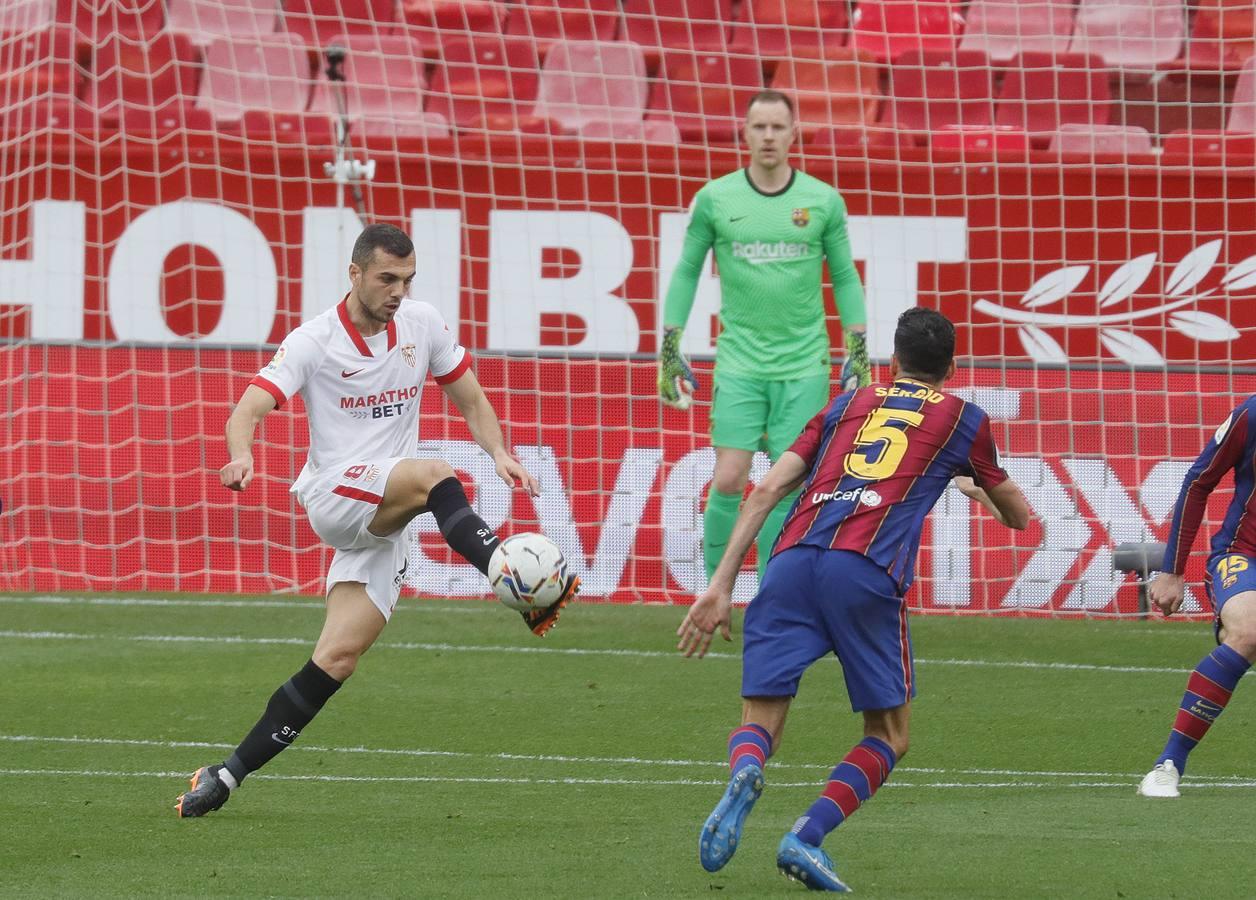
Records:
x=722, y=829
x=810, y=865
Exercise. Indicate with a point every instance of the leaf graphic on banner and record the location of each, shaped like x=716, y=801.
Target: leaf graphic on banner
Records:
x=1126, y=280
x=1130, y=348
x=1192, y=269
x=1203, y=326
x=1041, y=347
x=1054, y=286
x=1243, y=275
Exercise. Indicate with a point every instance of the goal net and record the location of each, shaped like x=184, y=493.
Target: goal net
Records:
x=181, y=182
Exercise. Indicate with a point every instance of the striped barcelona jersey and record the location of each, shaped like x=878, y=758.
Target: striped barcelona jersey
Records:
x=1233, y=446
x=878, y=459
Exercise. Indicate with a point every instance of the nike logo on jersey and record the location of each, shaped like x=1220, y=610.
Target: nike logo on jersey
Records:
x=279, y=740
x=345, y=373
x=736, y=219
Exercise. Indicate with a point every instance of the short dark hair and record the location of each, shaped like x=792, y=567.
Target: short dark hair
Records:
x=770, y=96
x=389, y=238
x=924, y=342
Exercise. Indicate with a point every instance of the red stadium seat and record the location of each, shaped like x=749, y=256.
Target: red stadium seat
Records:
x=205, y=21
x=991, y=141
x=1004, y=28
x=547, y=21
x=272, y=73
x=1098, y=140
x=659, y=25
x=318, y=22
x=60, y=116
x=639, y=132
x=143, y=74
x=37, y=66
x=96, y=20
x=887, y=28
x=857, y=139
x=1130, y=34
x=841, y=90
x=171, y=119
x=777, y=29
x=27, y=15
x=704, y=94
x=935, y=89
x=384, y=84
x=1223, y=36
x=268, y=127
x=485, y=81
x=1042, y=91
x=1239, y=147
x=591, y=81
x=434, y=23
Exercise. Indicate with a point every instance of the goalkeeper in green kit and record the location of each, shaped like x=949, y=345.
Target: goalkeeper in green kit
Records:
x=772, y=228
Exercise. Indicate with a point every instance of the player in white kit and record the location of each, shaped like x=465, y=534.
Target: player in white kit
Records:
x=360, y=369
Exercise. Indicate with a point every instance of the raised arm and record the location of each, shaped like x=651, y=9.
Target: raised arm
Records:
x=254, y=404
x=468, y=396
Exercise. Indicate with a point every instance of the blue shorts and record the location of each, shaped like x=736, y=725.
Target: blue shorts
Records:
x=1229, y=574
x=815, y=601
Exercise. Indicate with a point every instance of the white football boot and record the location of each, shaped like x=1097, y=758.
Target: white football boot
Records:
x=1162, y=781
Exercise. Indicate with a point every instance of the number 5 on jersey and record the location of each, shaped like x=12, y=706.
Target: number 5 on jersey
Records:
x=881, y=443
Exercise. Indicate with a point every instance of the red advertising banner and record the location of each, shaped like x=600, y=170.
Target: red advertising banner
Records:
x=110, y=480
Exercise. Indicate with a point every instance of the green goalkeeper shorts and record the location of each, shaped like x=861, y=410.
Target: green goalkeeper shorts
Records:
x=748, y=414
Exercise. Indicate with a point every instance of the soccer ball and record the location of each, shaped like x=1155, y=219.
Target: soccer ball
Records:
x=527, y=571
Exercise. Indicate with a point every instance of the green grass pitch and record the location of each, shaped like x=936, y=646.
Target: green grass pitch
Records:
x=466, y=758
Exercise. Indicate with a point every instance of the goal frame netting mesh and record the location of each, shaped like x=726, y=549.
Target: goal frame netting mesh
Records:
x=159, y=236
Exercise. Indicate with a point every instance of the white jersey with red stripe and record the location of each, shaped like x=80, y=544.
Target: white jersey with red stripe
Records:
x=362, y=394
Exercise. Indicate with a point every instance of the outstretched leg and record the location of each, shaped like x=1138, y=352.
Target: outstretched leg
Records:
x=417, y=486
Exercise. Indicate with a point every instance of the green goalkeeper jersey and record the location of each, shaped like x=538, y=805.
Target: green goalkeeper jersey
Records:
x=769, y=249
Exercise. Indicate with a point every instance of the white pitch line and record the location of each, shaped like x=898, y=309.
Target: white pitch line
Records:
x=560, y=651
x=472, y=605
x=589, y=760
x=610, y=782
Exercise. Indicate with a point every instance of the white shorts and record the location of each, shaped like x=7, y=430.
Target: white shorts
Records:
x=340, y=506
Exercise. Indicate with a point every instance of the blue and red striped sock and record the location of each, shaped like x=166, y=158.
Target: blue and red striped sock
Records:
x=746, y=745
x=1207, y=692
x=850, y=786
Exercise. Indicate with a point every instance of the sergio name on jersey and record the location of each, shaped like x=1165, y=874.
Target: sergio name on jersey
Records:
x=362, y=394
x=878, y=459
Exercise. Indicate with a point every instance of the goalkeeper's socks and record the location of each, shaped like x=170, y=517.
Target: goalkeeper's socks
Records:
x=748, y=745
x=717, y=525
x=850, y=786
x=465, y=532
x=1207, y=693
x=290, y=709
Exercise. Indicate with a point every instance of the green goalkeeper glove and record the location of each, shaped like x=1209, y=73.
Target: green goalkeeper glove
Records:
x=856, y=371
x=676, y=380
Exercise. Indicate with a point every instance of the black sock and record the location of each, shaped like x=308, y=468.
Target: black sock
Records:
x=290, y=709
x=465, y=532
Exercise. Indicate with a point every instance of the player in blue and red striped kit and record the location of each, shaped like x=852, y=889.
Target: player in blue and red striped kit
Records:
x=871, y=467
x=1231, y=587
